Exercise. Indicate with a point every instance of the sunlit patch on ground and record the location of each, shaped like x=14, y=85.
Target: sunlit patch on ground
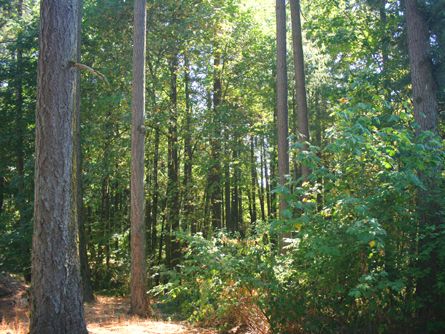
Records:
x=107, y=315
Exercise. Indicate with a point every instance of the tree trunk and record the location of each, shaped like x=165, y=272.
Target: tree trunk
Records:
x=297, y=42
x=253, y=182
x=20, y=156
x=85, y=275
x=282, y=111
x=215, y=169
x=261, y=186
x=139, y=302
x=426, y=116
x=173, y=170
x=154, y=213
x=188, y=155
x=56, y=288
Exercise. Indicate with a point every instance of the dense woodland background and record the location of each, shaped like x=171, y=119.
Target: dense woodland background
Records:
x=364, y=233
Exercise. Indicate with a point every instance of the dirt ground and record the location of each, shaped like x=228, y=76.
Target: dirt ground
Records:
x=108, y=315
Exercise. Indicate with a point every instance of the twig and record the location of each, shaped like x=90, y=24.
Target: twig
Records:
x=91, y=70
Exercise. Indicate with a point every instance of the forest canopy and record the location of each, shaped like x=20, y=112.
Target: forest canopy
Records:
x=291, y=159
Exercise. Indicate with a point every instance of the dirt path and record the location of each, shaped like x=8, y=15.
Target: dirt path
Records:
x=108, y=315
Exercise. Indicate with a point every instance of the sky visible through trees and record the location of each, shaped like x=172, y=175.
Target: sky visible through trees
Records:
x=231, y=173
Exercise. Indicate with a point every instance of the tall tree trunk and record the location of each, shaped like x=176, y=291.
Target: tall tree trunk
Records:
x=215, y=169
x=297, y=42
x=228, y=212
x=267, y=181
x=139, y=302
x=253, y=181
x=173, y=169
x=20, y=163
x=154, y=213
x=56, y=287
x=282, y=111
x=85, y=274
x=188, y=154
x=261, y=185
x=426, y=116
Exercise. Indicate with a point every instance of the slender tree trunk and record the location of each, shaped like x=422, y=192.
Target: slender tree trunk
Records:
x=215, y=170
x=297, y=42
x=228, y=212
x=139, y=302
x=188, y=152
x=266, y=179
x=154, y=214
x=253, y=179
x=282, y=111
x=261, y=186
x=56, y=287
x=20, y=156
x=173, y=170
x=429, y=208
x=85, y=274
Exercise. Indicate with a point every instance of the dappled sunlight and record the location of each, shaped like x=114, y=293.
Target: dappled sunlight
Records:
x=106, y=315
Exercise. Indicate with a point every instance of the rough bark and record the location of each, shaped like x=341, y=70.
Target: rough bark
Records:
x=424, y=88
x=139, y=302
x=301, y=98
x=282, y=110
x=56, y=288
x=426, y=116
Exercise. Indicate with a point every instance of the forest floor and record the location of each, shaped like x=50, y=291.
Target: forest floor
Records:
x=108, y=315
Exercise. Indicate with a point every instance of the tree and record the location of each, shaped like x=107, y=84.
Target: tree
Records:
x=297, y=43
x=282, y=112
x=56, y=292
x=426, y=116
x=139, y=302
x=85, y=275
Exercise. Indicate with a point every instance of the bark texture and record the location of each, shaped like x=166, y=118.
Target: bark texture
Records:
x=302, y=109
x=428, y=202
x=56, y=291
x=424, y=88
x=139, y=302
x=282, y=109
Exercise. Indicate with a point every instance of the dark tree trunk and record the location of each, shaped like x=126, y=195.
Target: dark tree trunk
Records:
x=266, y=180
x=228, y=212
x=303, y=122
x=188, y=158
x=173, y=170
x=235, y=195
x=56, y=287
x=20, y=126
x=154, y=213
x=139, y=301
x=426, y=116
x=253, y=181
x=282, y=113
x=261, y=186
x=215, y=169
